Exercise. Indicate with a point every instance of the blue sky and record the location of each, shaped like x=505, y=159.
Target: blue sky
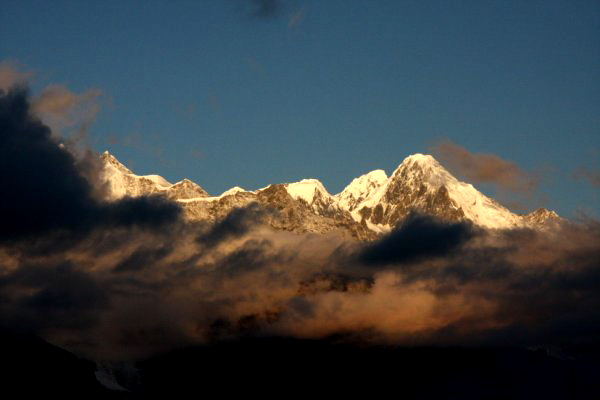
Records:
x=211, y=91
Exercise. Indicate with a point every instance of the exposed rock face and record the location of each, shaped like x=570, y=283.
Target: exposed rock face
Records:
x=301, y=216
x=284, y=212
x=370, y=205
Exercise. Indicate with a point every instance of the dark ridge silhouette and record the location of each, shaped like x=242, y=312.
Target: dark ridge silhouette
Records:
x=33, y=368
x=277, y=367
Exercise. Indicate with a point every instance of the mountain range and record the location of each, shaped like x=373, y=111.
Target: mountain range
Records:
x=370, y=205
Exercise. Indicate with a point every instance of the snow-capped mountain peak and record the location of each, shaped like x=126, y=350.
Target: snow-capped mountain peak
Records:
x=232, y=191
x=423, y=167
x=111, y=161
x=421, y=183
x=425, y=160
x=307, y=190
x=372, y=203
x=360, y=189
x=185, y=189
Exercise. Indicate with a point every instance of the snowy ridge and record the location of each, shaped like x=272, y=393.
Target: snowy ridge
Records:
x=232, y=191
x=315, y=195
x=229, y=192
x=372, y=201
x=123, y=182
x=360, y=189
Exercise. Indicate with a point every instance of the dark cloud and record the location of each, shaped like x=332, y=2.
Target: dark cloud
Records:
x=32, y=168
x=485, y=168
x=127, y=279
x=44, y=187
x=236, y=224
x=531, y=288
x=265, y=8
x=140, y=293
x=41, y=297
x=142, y=258
x=251, y=256
x=418, y=237
x=43, y=190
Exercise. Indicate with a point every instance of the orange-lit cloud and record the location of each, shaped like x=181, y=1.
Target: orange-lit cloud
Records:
x=11, y=75
x=62, y=108
x=130, y=279
x=485, y=168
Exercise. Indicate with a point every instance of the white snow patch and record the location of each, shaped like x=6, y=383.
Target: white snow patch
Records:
x=233, y=190
x=360, y=189
x=306, y=190
x=378, y=227
x=229, y=192
x=481, y=209
x=193, y=199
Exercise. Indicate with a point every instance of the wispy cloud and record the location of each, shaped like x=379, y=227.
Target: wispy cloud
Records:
x=128, y=279
x=11, y=75
x=61, y=108
x=485, y=168
x=589, y=175
x=265, y=8
x=67, y=113
x=296, y=18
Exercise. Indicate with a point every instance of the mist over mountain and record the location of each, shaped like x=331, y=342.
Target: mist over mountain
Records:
x=138, y=274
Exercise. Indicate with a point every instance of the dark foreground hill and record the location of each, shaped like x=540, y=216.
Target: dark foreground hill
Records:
x=284, y=368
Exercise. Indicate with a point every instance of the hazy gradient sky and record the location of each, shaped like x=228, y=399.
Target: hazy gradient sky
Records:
x=227, y=93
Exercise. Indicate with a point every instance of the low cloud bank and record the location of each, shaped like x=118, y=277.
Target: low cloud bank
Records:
x=130, y=279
